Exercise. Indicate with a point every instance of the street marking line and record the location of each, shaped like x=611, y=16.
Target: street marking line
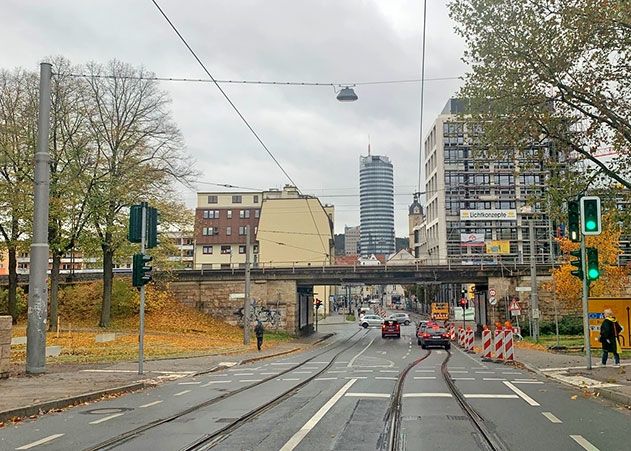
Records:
x=485, y=372
x=336, y=371
x=388, y=371
x=281, y=363
x=425, y=371
x=425, y=377
x=363, y=371
x=189, y=383
x=584, y=443
x=368, y=395
x=463, y=378
x=321, y=363
x=103, y=371
x=243, y=374
x=150, y=404
x=489, y=396
x=182, y=393
x=290, y=379
x=493, y=378
x=250, y=380
x=355, y=377
x=551, y=417
x=303, y=372
x=107, y=418
x=386, y=378
x=215, y=382
x=309, y=425
x=510, y=372
x=527, y=382
x=270, y=374
x=521, y=394
x=427, y=395
x=50, y=438
x=458, y=372
x=309, y=367
x=350, y=363
x=325, y=379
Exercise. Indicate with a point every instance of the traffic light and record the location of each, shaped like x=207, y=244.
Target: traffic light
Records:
x=318, y=304
x=135, y=224
x=574, y=220
x=590, y=215
x=464, y=303
x=153, y=219
x=593, y=272
x=577, y=263
x=141, y=271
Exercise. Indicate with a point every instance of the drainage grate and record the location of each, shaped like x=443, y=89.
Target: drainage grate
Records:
x=456, y=417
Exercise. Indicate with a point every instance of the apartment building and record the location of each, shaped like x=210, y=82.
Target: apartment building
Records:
x=183, y=253
x=351, y=240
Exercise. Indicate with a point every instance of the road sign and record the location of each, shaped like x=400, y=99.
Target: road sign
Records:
x=492, y=301
x=514, y=305
x=523, y=289
x=492, y=292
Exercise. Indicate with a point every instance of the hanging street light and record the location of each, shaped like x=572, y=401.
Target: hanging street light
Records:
x=347, y=94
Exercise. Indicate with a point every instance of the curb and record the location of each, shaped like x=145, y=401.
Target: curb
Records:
x=618, y=398
x=268, y=356
x=44, y=407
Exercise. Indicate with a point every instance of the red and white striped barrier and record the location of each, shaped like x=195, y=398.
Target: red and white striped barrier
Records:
x=461, y=337
x=508, y=345
x=452, y=332
x=499, y=344
x=469, y=340
x=487, y=345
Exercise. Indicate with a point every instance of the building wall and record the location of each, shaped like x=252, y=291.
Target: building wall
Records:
x=351, y=240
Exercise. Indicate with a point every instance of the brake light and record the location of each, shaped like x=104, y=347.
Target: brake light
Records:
x=426, y=335
x=445, y=335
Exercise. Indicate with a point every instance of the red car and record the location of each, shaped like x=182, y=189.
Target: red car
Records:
x=390, y=328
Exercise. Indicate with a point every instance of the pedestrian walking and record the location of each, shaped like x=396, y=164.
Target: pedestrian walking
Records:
x=610, y=337
x=259, y=330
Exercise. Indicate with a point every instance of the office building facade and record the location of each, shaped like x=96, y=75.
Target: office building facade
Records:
x=351, y=240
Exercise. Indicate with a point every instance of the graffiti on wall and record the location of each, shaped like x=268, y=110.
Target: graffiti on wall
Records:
x=270, y=316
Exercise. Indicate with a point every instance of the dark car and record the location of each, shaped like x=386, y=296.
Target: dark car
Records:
x=434, y=336
x=390, y=328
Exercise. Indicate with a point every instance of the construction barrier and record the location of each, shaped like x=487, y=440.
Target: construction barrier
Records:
x=469, y=340
x=487, y=345
x=499, y=344
x=452, y=332
x=461, y=337
x=508, y=345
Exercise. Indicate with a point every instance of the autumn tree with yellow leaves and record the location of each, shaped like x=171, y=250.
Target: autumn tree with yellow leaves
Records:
x=613, y=278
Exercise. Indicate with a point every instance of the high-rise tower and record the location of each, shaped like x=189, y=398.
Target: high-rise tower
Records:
x=376, y=201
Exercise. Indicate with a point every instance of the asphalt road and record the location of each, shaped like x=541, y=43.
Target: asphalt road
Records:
x=338, y=396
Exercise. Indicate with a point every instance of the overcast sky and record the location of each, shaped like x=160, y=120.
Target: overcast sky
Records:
x=317, y=139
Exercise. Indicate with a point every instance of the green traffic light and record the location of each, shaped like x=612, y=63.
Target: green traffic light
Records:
x=590, y=225
x=593, y=273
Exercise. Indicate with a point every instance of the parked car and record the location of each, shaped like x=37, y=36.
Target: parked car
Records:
x=370, y=320
x=402, y=318
x=434, y=336
x=390, y=328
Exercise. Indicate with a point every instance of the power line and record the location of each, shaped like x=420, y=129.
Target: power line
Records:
x=245, y=121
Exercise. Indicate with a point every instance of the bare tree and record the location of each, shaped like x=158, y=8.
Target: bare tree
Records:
x=140, y=153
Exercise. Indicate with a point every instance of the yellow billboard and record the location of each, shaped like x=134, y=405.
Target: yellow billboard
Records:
x=621, y=308
x=498, y=247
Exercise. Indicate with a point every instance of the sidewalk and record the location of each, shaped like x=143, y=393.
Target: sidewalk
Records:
x=570, y=369
x=65, y=385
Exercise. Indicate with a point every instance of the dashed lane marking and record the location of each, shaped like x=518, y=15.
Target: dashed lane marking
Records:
x=368, y=395
x=281, y=363
x=243, y=374
x=550, y=416
x=527, y=382
x=215, y=382
x=490, y=396
x=458, y=372
x=425, y=371
x=584, y=443
x=521, y=394
x=322, y=363
x=107, y=418
x=388, y=371
x=386, y=378
x=355, y=377
x=363, y=371
x=336, y=371
x=325, y=379
x=289, y=379
x=250, y=380
x=427, y=395
x=493, y=378
x=182, y=393
x=303, y=372
x=50, y=438
x=425, y=377
x=150, y=404
x=189, y=383
x=484, y=372
x=463, y=378
x=270, y=373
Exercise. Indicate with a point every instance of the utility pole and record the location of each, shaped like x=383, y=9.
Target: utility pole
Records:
x=246, y=298
x=141, y=331
x=38, y=273
x=588, y=346
x=534, y=295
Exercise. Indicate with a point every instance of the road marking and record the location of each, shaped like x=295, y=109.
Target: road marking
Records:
x=485, y=372
x=490, y=396
x=182, y=393
x=388, y=371
x=363, y=371
x=527, y=382
x=350, y=363
x=368, y=395
x=243, y=374
x=50, y=438
x=270, y=374
x=521, y=394
x=309, y=425
x=386, y=378
x=309, y=367
x=336, y=371
x=189, y=383
x=303, y=372
x=321, y=363
x=463, y=378
x=250, y=380
x=107, y=418
x=427, y=395
x=102, y=371
x=458, y=372
x=289, y=379
x=424, y=377
x=325, y=379
x=493, y=378
x=281, y=363
x=355, y=377
x=425, y=371
x=342, y=361
x=215, y=382
x=150, y=404
x=551, y=417
x=510, y=372
x=584, y=443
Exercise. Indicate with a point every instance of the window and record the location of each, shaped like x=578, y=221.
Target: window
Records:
x=255, y=199
x=226, y=249
x=229, y=214
x=210, y=231
x=207, y=250
x=237, y=199
x=211, y=214
x=242, y=230
x=241, y=249
x=228, y=231
x=257, y=213
x=255, y=248
x=244, y=214
x=213, y=199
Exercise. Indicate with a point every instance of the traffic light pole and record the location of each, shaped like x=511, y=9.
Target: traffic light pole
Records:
x=246, y=297
x=588, y=348
x=534, y=294
x=141, y=332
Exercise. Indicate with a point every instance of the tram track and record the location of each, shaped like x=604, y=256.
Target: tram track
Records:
x=130, y=435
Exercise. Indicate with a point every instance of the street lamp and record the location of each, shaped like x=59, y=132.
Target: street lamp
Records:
x=346, y=94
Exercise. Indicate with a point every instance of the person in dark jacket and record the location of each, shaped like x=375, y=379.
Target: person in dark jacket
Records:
x=610, y=337
x=259, y=330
